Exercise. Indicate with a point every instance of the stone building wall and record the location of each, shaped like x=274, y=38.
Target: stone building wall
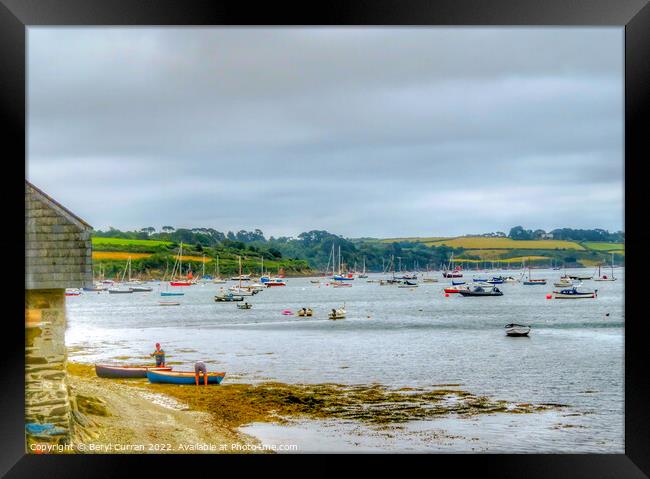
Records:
x=46, y=392
x=58, y=250
x=58, y=255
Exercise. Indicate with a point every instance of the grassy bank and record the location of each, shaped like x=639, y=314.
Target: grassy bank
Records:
x=152, y=258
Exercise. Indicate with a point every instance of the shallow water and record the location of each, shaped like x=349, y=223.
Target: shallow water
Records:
x=398, y=337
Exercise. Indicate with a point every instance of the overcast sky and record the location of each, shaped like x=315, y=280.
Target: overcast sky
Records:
x=360, y=131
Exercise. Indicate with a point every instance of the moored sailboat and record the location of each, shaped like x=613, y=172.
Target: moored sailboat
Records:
x=604, y=277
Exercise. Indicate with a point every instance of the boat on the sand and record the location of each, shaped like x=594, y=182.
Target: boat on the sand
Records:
x=183, y=377
x=169, y=303
x=112, y=371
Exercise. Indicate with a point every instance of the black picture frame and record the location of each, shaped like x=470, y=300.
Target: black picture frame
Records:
x=633, y=15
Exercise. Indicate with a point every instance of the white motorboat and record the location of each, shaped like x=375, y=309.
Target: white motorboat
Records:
x=241, y=291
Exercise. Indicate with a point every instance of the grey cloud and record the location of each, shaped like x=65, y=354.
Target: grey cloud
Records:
x=406, y=131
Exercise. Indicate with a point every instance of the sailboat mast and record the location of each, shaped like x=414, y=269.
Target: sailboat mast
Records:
x=339, y=260
x=240, y=272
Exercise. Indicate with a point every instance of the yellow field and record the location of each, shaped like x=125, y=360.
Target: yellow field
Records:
x=518, y=259
x=479, y=242
x=415, y=239
x=485, y=254
x=118, y=255
x=194, y=258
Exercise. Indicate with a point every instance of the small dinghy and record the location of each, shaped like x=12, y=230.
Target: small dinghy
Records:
x=517, y=330
x=119, y=291
x=182, y=377
x=457, y=283
x=95, y=289
x=141, y=289
x=482, y=291
x=110, y=371
x=535, y=282
x=169, y=303
x=337, y=314
x=305, y=312
x=580, y=277
x=165, y=293
x=456, y=289
x=244, y=306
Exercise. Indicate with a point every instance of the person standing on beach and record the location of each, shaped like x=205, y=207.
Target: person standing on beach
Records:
x=199, y=367
x=159, y=354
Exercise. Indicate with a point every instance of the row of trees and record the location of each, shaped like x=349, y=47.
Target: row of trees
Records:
x=569, y=234
x=313, y=246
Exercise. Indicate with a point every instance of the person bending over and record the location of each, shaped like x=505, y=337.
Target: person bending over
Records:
x=199, y=367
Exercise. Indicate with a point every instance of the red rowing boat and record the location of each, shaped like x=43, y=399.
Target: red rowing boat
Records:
x=110, y=371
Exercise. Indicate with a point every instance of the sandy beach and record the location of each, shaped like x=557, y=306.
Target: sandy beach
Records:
x=134, y=416
x=124, y=418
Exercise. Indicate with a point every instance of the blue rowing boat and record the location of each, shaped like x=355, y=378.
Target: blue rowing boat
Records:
x=164, y=293
x=182, y=377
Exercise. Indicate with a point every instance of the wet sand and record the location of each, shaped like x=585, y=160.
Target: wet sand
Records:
x=135, y=416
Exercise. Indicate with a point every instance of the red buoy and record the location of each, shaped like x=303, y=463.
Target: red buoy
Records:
x=446, y=295
x=549, y=296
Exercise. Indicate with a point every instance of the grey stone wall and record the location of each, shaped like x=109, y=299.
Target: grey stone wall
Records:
x=58, y=255
x=46, y=391
x=58, y=249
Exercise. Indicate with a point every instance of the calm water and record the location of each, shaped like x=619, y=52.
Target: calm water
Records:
x=398, y=337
